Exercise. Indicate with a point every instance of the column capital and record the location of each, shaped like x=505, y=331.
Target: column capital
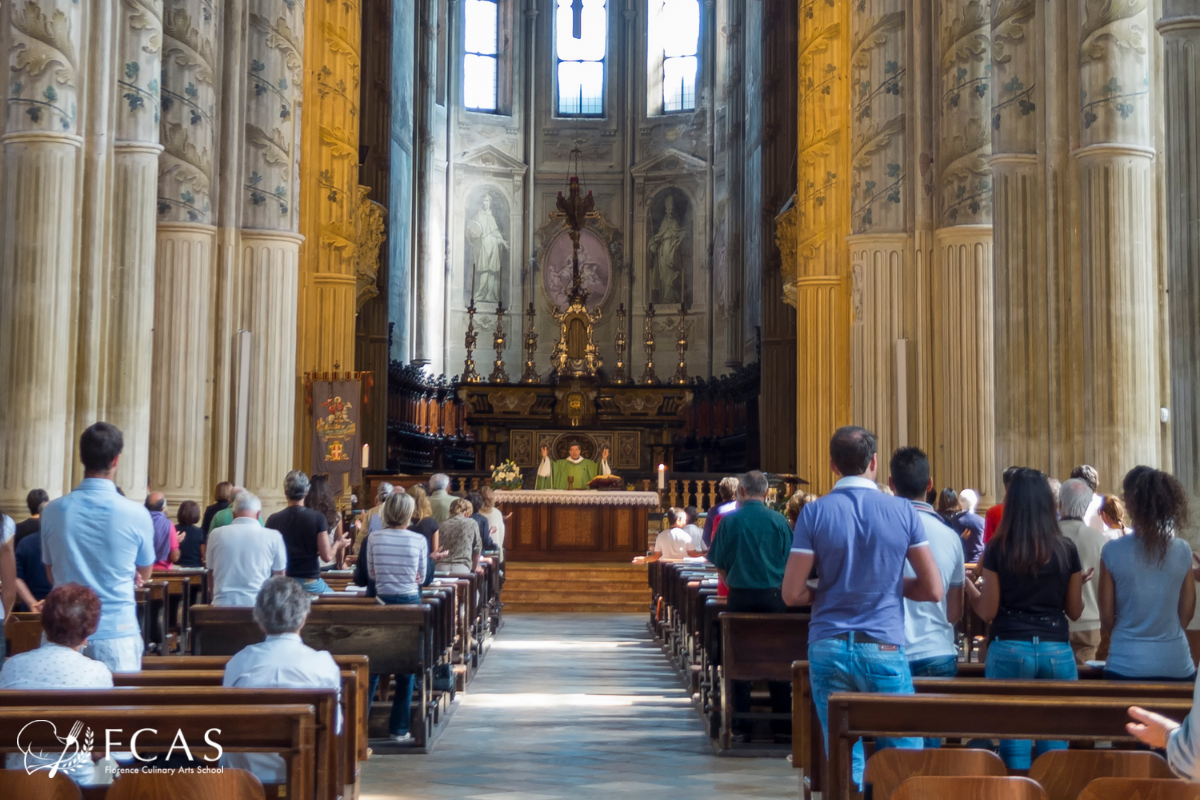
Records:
x=1114, y=150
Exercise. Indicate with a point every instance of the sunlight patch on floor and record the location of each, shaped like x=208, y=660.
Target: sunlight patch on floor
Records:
x=559, y=645
x=546, y=700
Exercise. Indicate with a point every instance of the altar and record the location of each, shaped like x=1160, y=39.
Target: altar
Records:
x=551, y=525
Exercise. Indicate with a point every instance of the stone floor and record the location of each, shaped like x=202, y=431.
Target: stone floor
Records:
x=575, y=707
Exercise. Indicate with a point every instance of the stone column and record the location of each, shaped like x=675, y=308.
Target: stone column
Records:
x=821, y=225
x=129, y=346
x=270, y=243
x=879, y=244
x=1027, y=417
x=963, y=362
x=430, y=282
x=1117, y=201
x=180, y=426
x=41, y=148
x=328, y=199
x=1180, y=29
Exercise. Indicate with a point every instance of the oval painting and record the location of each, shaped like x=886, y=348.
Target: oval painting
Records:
x=594, y=264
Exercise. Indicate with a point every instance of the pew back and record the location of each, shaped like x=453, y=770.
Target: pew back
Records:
x=888, y=769
x=934, y=788
x=1065, y=773
x=1139, y=789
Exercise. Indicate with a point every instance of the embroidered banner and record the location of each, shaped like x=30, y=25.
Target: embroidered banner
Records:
x=336, y=436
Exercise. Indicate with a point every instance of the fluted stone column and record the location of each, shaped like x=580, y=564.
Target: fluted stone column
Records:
x=1117, y=202
x=129, y=346
x=963, y=363
x=1180, y=29
x=879, y=244
x=180, y=426
x=821, y=224
x=1028, y=423
x=328, y=199
x=430, y=282
x=41, y=148
x=270, y=243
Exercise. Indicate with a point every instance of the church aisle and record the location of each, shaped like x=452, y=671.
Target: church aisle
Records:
x=574, y=707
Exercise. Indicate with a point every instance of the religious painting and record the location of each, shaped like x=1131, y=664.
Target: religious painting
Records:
x=488, y=226
x=669, y=248
x=595, y=267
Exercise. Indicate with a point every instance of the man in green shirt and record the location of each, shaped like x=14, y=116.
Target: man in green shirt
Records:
x=750, y=548
x=572, y=472
x=225, y=516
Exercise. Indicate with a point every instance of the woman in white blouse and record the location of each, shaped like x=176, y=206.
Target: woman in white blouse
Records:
x=70, y=615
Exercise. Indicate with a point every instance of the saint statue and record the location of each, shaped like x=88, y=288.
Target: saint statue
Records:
x=663, y=247
x=486, y=244
x=555, y=474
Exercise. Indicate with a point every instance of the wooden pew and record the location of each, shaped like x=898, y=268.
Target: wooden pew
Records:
x=757, y=647
x=396, y=639
x=326, y=776
x=23, y=630
x=286, y=729
x=991, y=716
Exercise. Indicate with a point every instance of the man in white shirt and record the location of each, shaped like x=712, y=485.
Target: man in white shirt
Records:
x=282, y=661
x=243, y=554
x=1091, y=477
x=929, y=627
x=1075, y=497
x=674, y=544
x=694, y=530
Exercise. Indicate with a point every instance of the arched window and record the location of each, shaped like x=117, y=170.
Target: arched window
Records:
x=481, y=61
x=674, y=40
x=581, y=42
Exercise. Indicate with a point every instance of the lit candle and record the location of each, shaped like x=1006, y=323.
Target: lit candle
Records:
x=662, y=476
x=366, y=458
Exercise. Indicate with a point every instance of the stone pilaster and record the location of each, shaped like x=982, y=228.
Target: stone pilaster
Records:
x=41, y=146
x=821, y=224
x=879, y=243
x=180, y=428
x=430, y=281
x=963, y=356
x=129, y=345
x=269, y=245
x=329, y=198
x=1116, y=202
x=1180, y=29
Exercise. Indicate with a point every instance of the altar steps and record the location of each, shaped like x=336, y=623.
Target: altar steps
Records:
x=575, y=588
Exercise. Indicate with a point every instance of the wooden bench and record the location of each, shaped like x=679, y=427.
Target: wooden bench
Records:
x=289, y=730
x=993, y=716
x=327, y=769
x=757, y=647
x=23, y=631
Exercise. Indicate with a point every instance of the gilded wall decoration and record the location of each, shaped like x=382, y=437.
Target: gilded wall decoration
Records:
x=878, y=68
x=964, y=179
x=43, y=66
x=370, y=232
x=188, y=129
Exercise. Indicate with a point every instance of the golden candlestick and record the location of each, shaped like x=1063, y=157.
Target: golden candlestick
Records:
x=648, y=377
x=681, y=344
x=531, y=374
x=498, y=374
x=620, y=378
x=469, y=374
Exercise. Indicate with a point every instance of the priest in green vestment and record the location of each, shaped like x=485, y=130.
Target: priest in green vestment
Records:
x=580, y=470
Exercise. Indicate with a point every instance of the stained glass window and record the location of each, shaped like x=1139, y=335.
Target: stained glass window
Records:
x=481, y=61
x=581, y=42
x=675, y=38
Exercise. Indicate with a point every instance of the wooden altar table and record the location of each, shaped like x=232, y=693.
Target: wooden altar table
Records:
x=550, y=525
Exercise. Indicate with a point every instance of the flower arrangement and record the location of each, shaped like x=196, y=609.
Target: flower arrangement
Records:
x=506, y=476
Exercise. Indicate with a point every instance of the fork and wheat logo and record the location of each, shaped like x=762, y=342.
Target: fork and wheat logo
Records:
x=76, y=750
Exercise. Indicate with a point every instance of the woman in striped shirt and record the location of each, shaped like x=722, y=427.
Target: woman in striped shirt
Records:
x=397, y=559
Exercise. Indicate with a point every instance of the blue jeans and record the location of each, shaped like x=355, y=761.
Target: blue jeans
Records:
x=401, y=717
x=839, y=666
x=315, y=585
x=934, y=667
x=1026, y=660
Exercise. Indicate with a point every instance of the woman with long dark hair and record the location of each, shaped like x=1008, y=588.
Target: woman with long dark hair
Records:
x=320, y=498
x=948, y=506
x=1147, y=594
x=1032, y=582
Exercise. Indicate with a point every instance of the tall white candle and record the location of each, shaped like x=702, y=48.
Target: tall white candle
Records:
x=662, y=476
x=366, y=457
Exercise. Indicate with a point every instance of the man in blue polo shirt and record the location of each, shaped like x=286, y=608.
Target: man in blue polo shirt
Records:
x=95, y=537
x=859, y=539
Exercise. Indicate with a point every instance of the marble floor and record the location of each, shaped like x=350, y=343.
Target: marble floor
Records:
x=575, y=707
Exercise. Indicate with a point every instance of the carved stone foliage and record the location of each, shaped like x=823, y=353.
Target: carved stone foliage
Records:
x=964, y=184
x=185, y=173
x=139, y=70
x=785, y=240
x=878, y=69
x=43, y=62
x=274, y=81
x=370, y=233
x=1114, y=73
x=1014, y=77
